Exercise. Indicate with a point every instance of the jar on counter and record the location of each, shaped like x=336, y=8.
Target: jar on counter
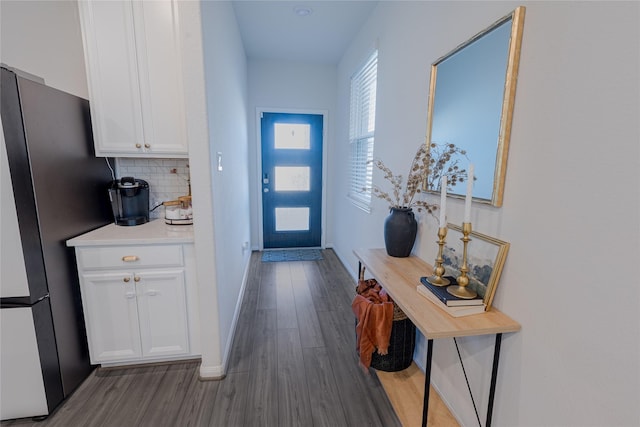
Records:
x=185, y=202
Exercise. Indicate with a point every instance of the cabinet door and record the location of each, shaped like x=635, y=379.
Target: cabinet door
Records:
x=135, y=80
x=111, y=315
x=162, y=312
x=113, y=76
x=162, y=93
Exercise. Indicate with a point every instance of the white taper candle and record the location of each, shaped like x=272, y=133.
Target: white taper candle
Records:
x=443, y=202
x=467, y=200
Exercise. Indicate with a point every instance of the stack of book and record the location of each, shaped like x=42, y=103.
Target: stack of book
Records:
x=455, y=306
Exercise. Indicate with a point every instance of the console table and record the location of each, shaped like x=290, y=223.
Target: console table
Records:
x=400, y=276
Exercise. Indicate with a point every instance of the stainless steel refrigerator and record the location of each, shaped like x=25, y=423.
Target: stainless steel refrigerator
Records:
x=53, y=189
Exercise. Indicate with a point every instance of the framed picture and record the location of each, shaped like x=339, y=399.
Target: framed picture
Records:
x=485, y=259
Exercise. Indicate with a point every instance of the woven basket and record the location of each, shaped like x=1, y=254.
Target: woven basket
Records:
x=401, y=344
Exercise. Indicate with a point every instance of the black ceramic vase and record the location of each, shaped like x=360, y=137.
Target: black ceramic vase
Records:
x=400, y=230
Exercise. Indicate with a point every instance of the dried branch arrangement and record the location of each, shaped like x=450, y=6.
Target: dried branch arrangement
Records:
x=429, y=165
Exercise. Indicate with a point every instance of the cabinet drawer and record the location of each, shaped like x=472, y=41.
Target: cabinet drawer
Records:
x=130, y=256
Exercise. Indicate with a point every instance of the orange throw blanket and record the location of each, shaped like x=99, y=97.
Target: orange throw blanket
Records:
x=374, y=310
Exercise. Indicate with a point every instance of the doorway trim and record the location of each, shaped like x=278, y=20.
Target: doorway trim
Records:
x=257, y=185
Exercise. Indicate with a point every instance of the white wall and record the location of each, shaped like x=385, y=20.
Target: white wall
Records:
x=224, y=194
x=571, y=205
x=291, y=87
x=43, y=38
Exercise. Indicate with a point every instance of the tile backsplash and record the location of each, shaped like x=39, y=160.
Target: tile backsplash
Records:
x=167, y=178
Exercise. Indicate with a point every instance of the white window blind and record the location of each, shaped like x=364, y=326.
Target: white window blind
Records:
x=362, y=124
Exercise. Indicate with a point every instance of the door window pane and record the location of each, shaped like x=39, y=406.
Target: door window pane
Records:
x=292, y=219
x=292, y=178
x=292, y=136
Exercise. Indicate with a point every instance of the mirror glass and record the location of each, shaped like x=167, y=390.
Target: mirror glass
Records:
x=471, y=97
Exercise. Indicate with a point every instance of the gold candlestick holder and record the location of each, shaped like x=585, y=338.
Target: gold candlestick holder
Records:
x=460, y=290
x=436, y=279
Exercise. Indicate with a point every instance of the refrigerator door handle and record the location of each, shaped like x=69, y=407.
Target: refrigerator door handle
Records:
x=20, y=302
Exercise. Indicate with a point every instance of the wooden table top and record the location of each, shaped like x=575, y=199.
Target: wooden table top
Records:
x=401, y=276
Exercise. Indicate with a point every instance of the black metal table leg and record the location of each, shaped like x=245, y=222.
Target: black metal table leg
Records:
x=494, y=375
x=427, y=383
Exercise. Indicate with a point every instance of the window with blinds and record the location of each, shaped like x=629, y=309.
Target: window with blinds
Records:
x=362, y=124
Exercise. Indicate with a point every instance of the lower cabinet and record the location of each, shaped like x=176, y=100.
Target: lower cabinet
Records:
x=162, y=313
x=135, y=314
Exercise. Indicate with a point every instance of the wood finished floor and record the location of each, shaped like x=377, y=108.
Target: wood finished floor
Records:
x=292, y=363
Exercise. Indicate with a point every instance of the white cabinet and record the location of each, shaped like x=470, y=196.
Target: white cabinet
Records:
x=111, y=316
x=162, y=313
x=135, y=300
x=134, y=74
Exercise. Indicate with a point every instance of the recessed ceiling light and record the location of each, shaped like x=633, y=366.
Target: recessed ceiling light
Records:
x=302, y=11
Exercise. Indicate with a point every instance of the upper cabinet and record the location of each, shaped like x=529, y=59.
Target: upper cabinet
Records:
x=134, y=74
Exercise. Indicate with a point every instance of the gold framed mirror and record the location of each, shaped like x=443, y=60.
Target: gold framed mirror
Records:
x=471, y=99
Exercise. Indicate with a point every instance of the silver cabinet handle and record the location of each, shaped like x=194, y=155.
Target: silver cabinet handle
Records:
x=130, y=258
x=126, y=280
x=136, y=279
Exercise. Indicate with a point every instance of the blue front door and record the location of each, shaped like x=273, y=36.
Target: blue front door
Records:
x=291, y=180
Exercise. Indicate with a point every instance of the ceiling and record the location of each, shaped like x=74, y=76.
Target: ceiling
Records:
x=281, y=30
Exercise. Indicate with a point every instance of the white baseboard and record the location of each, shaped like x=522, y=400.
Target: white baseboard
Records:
x=219, y=372
x=343, y=259
x=446, y=402
x=210, y=373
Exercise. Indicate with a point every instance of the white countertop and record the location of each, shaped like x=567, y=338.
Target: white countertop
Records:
x=153, y=232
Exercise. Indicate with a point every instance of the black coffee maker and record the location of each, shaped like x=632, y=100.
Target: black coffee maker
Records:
x=129, y=200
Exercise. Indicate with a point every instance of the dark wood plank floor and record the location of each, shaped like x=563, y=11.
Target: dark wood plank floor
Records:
x=292, y=363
